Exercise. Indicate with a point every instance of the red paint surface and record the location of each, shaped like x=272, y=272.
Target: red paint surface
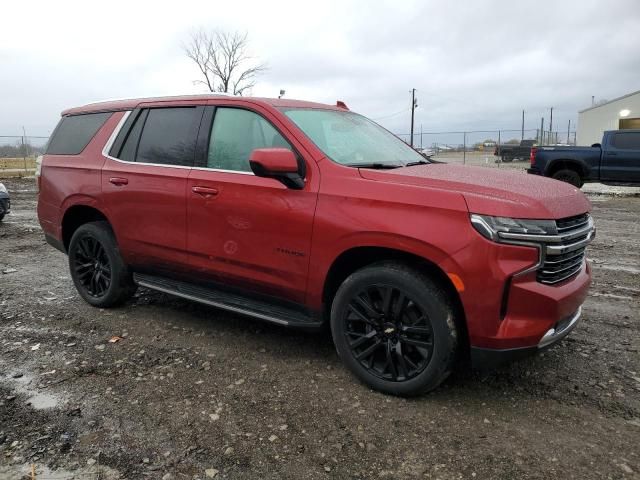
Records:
x=255, y=233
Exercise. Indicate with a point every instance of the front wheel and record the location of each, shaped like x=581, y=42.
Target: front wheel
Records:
x=569, y=176
x=97, y=269
x=394, y=328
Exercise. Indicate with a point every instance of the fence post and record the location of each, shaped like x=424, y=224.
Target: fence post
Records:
x=24, y=155
x=464, y=148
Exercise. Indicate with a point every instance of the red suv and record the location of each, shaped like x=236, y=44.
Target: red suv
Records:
x=304, y=215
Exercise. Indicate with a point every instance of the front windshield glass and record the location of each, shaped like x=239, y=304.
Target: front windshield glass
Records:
x=351, y=139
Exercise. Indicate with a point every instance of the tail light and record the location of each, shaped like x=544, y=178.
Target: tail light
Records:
x=38, y=170
x=495, y=152
x=532, y=155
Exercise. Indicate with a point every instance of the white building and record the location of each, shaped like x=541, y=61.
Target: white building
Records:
x=618, y=114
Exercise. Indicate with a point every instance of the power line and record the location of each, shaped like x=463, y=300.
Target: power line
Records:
x=392, y=115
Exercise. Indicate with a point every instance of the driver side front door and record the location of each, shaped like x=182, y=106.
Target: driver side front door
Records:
x=244, y=231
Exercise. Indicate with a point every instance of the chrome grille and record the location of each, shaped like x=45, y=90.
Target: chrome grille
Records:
x=565, y=254
x=571, y=223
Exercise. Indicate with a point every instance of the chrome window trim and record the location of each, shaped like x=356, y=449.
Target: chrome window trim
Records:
x=114, y=134
x=221, y=170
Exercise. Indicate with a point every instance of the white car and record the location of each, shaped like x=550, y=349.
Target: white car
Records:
x=5, y=202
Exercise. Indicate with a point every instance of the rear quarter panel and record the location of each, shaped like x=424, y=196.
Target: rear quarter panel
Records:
x=68, y=180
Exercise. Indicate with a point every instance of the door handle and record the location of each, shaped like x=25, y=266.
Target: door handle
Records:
x=118, y=181
x=205, y=191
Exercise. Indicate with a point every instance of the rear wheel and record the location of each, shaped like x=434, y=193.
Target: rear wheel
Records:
x=569, y=176
x=97, y=269
x=394, y=329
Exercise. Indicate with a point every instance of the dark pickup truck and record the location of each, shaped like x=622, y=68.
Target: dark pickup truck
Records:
x=616, y=161
x=508, y=153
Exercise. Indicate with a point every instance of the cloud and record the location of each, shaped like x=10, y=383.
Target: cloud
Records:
x=476, y=65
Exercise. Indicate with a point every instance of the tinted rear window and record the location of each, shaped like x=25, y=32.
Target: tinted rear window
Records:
x=169, y=136
x=73, y=134
x=627, y=140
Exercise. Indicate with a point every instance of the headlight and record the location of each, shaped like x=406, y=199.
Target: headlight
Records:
x=3, y=189
x=499, y=229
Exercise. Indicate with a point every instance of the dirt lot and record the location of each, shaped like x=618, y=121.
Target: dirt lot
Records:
x=193, y=392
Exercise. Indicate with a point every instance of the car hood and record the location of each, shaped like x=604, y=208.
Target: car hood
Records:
x=490, y=191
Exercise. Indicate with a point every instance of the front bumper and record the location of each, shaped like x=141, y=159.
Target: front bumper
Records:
x=514, y=308
x=485, y=358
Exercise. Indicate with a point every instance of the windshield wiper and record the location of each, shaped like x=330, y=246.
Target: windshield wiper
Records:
x=419, y=162
x=377, y=166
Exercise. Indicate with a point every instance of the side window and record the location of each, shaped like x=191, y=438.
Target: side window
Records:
x=235, y=134
x=627, y=140
x=168, y=136
x=74, y=133
x=128, y=151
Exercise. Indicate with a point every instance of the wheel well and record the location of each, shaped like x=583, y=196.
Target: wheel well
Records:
x=76, y=216
x=568, y=165
x=359, y=257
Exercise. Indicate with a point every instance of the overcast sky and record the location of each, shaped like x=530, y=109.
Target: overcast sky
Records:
x=475, y=64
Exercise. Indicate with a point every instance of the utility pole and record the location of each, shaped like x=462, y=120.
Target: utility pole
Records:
x=542, y=131
x=414, y=104
x=551, y=124
x=522, y=135
x=568, y=131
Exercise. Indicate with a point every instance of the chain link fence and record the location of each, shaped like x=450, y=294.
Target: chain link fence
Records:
x=18, y=154
x=477, y=147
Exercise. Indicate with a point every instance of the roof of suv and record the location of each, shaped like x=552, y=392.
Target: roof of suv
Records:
x=129, y=104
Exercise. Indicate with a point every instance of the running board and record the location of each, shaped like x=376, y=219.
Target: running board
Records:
x=232, y=302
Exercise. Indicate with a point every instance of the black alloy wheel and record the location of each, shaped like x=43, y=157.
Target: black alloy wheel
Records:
x=98, y=271
x=388, y=333
x=395, y=328
x=92, y=266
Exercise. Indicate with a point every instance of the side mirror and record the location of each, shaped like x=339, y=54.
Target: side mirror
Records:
x=278, y=163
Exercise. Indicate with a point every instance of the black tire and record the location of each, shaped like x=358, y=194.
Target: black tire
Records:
x=569, y=176
x=2, y=216
x=418, y=334
x=97, y=269
x=507, y=159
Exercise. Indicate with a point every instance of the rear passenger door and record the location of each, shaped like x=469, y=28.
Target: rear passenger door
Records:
x=144, y=180
x=621, y=162
x=245, y=231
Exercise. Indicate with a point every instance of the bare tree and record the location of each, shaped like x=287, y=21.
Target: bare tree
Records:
x=223, y=60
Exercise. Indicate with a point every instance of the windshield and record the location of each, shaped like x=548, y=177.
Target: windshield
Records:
x=353, y=140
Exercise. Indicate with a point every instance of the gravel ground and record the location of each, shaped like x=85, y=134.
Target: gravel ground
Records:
x=187, y=392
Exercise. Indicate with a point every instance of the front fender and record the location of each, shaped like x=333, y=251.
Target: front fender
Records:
x=449, y=261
